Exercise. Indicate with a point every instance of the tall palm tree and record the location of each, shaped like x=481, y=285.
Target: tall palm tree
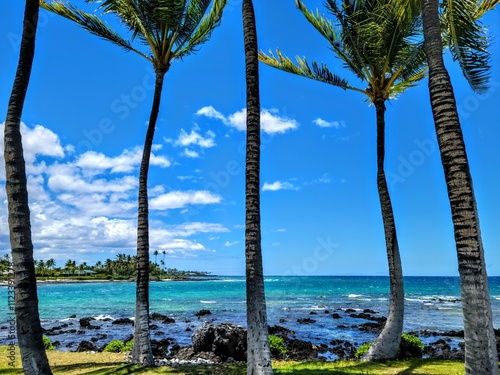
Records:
x=29, y=330
x=258, y=351
x=468, y=44
x=155, y=253
x=50, y=264
x=170, y=30
x=381, y=48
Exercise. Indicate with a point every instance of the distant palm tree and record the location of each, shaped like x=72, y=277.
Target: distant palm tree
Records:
x=258, y=351
x=29, y=330
x=171, y=30
x=381, y=48
x=469, y=45
x=50, y=264
x=155, y=253
x=41, y=267
x=109, y=266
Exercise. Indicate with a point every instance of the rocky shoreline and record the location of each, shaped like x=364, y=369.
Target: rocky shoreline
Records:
x=225, y=342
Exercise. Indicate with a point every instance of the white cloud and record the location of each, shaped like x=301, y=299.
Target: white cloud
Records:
x=228, y=243
x=81, y=209
x=127, y=161
x=272, y=123
x=37, y=141
x=270, y=120
x=329, y=124
x=211, y=112
x=194, y=138
x=279, y=185
x=191, y=153
x=180, y=199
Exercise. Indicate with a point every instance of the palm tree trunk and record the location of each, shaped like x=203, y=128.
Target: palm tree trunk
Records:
x=142, y=353
x=258, y=352
x=29, y=330
x=386, y=345
x=480, y=341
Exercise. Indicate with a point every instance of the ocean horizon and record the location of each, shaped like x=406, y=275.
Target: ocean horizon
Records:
x=432, y=304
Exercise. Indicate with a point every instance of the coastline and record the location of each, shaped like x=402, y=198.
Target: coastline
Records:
x=89, y=281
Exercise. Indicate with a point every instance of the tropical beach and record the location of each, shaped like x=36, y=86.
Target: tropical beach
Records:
x=123, y=170
x=316, y=309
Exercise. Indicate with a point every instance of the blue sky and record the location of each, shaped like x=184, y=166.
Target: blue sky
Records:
x=84, y=125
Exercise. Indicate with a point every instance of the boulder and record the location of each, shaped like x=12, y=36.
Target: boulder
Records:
x=224, y=340
x=86, y=346
x=123, y=321
x=306, y=321
x=203, y=312
x=85, y=323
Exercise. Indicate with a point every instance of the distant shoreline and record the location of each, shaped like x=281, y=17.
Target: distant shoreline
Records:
x=93, y=281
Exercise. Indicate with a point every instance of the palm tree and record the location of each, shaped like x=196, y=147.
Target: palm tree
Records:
x=258, y=351
x=50, y=264
x=469, y=46
x=29, y=330
x=97, y=266
x=155, y=253
x=170, y=29
x=41, y=267
x=381, y=48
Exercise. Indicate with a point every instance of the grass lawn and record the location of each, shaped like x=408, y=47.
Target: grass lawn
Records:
x=64, y=363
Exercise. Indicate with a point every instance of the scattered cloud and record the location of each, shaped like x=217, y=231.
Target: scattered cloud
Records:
x=195, y=138
x=270, y=119
x=324, y=179
x=180, y=199
x=190, y=153
x=228, y=243
x=329, y=124
x=85, y=205
x=279, y=185
x=127, y=161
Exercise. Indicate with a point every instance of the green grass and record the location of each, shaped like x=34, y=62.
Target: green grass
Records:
x=64, y=363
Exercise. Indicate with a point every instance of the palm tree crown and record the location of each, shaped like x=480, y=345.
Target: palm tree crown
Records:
x=372, y=39
x=171, y=29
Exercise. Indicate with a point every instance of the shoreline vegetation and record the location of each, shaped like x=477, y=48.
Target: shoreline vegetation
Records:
x=70, y=363
x=122, y=268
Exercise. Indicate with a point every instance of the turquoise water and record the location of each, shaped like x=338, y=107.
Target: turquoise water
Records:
x=431, y=303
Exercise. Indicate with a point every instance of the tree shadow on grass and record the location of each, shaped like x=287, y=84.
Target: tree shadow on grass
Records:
x=112, y=368
x=363, y=368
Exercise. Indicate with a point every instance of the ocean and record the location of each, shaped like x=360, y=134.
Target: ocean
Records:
x=431, y=303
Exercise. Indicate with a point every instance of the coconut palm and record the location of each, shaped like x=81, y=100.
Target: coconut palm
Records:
x=50, y=264
x=258, y=351
x=468, y=43
x=381, y=48
x=161, y=31
x=29, y=330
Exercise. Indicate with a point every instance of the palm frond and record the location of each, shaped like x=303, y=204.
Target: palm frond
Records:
x=203, y=32
x=194, y=16
x=484, y=7
x=404, y=84
x=351, y=59
x=318, y=72
x=468, y=42
x=91, y=23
